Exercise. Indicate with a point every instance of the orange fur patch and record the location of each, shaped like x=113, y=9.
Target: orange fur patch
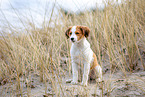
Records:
x=80, y=34
x=67, y=32
x=95, y=62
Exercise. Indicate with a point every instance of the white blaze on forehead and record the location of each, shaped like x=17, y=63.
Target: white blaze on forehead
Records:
x=73, y=29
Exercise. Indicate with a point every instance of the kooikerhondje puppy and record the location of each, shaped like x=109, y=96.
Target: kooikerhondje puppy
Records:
x=81, y=52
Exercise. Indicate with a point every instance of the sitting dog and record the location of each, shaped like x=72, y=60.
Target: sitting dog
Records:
x=82, y=53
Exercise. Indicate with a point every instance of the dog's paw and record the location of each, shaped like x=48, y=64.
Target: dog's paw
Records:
x=69, y=81
x=84, y=84
x=99, y=80
x=74, y=82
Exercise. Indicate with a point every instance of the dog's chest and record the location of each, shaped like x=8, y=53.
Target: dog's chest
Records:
x=80, y=53
x=77, y=52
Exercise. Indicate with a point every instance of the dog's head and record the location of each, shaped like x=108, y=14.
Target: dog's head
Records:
x=76, y=33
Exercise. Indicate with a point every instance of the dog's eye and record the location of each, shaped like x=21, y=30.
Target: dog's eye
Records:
x=70, y=33
x=77, y=33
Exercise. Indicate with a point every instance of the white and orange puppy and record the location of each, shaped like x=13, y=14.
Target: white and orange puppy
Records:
x=82, y=53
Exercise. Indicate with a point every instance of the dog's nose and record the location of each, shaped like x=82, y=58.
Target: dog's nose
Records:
x=72, y=39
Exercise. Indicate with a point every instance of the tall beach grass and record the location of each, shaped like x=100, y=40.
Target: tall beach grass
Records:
x=117, y=37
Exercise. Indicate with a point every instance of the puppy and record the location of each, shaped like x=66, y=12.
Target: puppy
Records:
x=82, y=53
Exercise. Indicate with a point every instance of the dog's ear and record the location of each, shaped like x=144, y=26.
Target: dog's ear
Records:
x=67, y=32
x=86, y=31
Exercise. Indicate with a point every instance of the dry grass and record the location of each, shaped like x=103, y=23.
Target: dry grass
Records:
x=117, y=37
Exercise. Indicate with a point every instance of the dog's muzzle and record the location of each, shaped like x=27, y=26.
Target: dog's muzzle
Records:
x=72, y=39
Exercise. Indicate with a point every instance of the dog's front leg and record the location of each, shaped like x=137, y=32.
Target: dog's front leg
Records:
x=75, y=73
x=85, y=74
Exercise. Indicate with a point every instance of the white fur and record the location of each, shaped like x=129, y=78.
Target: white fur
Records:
x=99, y=72
x=73, y=33
x=82, y=53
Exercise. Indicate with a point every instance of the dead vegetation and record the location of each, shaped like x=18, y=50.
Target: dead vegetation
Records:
x=36, y=61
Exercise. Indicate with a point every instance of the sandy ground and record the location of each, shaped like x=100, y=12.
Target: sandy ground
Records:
x=116, y=84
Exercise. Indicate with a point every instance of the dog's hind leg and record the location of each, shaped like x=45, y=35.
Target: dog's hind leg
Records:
x=99, y=73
